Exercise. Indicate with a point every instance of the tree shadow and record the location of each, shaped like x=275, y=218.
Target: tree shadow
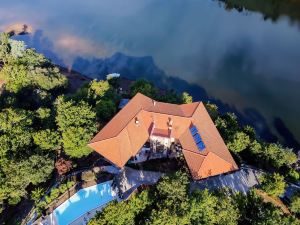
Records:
x=286, y=134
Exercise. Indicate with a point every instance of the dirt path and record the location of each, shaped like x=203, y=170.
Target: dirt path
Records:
x=275, y=200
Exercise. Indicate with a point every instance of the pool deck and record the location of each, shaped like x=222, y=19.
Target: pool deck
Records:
x=128, y=180
x=52, y=219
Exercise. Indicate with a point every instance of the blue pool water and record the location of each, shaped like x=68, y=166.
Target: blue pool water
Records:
x=83, y=201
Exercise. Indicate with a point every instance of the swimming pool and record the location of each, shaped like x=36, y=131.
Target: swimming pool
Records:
x=83, y=201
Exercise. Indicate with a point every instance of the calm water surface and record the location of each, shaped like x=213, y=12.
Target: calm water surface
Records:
x=248, y=65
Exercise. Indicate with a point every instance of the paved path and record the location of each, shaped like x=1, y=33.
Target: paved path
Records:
x=128, y=180
x=241, y=180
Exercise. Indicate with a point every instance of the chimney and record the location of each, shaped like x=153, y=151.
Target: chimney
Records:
x=154, y=102
x=170, y=123
x=137, y=121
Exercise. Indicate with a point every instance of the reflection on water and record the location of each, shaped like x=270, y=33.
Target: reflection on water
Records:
x=249, y=64
x=271, y=9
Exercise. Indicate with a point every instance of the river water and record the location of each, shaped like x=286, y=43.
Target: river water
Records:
x=244, y=63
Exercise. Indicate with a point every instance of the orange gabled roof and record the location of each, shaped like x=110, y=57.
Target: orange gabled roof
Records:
x=128, y=131
x=123, y=117
x=202, y=166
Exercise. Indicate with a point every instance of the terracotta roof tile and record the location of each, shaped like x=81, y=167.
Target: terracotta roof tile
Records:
x=126, y=133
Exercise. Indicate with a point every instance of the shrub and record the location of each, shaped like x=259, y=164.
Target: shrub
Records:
x=88, y=176
x=295, y=203
x=70, y=184
x=293, y=175
x=63, y=188
x=36, y=194
x=273, y=184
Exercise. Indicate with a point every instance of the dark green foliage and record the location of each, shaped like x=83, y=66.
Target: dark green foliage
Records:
x=27, y=128
x=37, y=194
x=105, y=109
x=169, y=97
x=253, y=210
x=144, y=87
x=17, y=175
x=171, y=203
x=124, y=212
x=243, y=140
x=173, y=198
x=212, y=110
x=293, y=175
x=295, y=203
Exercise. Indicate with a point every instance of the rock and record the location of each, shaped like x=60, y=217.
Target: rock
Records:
x=18, y=29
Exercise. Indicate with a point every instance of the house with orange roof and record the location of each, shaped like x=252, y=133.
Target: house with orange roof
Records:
x=164, y=125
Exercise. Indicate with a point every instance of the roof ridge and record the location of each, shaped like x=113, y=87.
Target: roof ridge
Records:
x=197, y=153
x=120, y=130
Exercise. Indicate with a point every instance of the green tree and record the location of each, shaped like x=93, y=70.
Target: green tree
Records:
x=144, y=87
x=227, y=209
x=293, y=175
x=19, y=174
x=212, y=110
x=105, y=109
x=124, y=212
x=295, y=203
x=77, y=124
x=228, y=126
x=47, y=139
x=165, y=216
x=279, y=156
x=186, y=98
x=15, y=77
x=15, y=130
x=272, y=184
x=37, y=194
x=174, y=198
x=239, y=142
x=75, y=141
x=97, y=89
x=33, y=70
x=17, y=48
x=203, y=208
x=72, y=114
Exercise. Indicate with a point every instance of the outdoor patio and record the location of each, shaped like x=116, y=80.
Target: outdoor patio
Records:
x=146, y=153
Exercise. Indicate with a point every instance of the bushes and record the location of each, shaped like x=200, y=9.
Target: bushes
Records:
x=272, y=184
x=293, y=175
x=240, y=141
x=53, y=195
x=295, y=203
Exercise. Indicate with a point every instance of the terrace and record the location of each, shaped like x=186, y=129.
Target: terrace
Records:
x=156, y=150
